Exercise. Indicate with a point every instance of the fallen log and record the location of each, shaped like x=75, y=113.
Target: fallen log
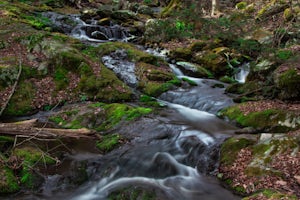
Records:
x=27, y=128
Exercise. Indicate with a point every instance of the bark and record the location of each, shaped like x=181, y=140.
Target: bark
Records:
x=26, y=128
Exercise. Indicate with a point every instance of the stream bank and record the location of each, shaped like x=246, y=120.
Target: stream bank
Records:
x=58, y=70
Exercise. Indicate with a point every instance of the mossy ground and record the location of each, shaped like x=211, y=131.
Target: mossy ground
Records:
x=8, y=182
x=31, y=157
x=269, y=120
x=271, y=194
x=99, y=116
x=108, y=142
x=231, y=147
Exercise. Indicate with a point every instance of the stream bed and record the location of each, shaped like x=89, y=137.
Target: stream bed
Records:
x=172, y=154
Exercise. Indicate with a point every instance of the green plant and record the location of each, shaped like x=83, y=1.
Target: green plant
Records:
x=284, y=54
x=189, y=81
x=147, y=1
x=108, y=142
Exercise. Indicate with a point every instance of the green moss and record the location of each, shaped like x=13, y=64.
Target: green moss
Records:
x=288, y=14
x=134, y=54
x=106, y=87
x=96, y=105
x=189, y=81
x=32, y=40
x=146, y=98
x=20, y=103
x=241, y=5
x=227, y=79
x=231, y=147
x=68, y=60
x=260, y=149
x=6, y=139
x=271, y=194
x=8, y=75
x=157, y=75
x=115, y=113
x=132, y=193
x=29, y=72
x=181, y=53
x=33, y=156
x=60, y=78
x=8, y=182
x=36, y=21
x=108, y=142
x=267, y=119
x=240, y=189
x=68, y=119
x=137, y=112
x=284, y=54
x=58, y=120
x=155, y=89
x=288, y=84
x=248, y=87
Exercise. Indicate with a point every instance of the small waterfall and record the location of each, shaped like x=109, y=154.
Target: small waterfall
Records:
x=242, y=73
x=87, y=31
x=125, y=70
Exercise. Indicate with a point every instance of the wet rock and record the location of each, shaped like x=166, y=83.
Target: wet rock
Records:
x=270, y=120
x=61, y=23
x=145, y=10
x=193, y=70
x=181, y=54
x=123, y=15
x=211, y=61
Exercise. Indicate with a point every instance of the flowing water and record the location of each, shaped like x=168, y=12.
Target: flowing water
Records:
x=173, y=154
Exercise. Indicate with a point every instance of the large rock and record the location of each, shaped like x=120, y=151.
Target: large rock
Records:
x=287, y=81
x=212, y=61
x=194, y=70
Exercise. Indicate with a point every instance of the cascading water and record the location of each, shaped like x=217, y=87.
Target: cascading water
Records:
x=171, y=155
x=87, y=31
x=242, y=73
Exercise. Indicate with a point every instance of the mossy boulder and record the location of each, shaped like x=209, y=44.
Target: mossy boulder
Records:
x=212, y=61
x=266, y=150
x=59, y=69
x=250, y=89
x=231, y=147
x=260, y=165
x=271, y=8
x=154, y=80
x=271, y=120
x=287, y=81
x=98, y=116
x=194, y=70
x=181, y=54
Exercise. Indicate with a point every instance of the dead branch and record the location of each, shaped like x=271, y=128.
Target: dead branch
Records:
x=18, y=129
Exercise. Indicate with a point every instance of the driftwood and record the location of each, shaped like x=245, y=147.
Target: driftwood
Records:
x=26, y=128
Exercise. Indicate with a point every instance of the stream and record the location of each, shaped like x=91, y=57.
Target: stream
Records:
x=173, y=154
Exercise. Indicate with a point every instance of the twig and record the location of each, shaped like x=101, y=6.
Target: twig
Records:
x=14, y=87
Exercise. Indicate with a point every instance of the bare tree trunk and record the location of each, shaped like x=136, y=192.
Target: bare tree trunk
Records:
x=25, y=128
x=213, y=7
